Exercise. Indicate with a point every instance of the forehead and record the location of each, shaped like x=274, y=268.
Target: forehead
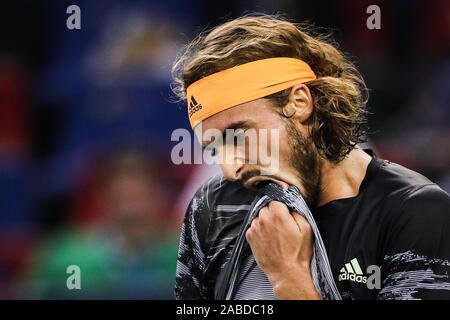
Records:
x=257, y=111
x=256, y=114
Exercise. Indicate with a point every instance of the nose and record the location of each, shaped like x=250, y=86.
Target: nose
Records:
x=233, y=170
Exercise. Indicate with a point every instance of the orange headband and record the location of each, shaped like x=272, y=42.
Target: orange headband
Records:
x=244, y=83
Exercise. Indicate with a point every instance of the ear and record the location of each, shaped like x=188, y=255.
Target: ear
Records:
x=300, y=103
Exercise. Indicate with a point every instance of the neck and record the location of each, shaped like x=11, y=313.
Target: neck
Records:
x=342, y=180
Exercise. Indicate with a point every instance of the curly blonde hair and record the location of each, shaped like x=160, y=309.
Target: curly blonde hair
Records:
x=339, y=93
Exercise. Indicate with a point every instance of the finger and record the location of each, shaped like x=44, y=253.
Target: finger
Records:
x=255, y=225
x=279, y=210
x=249, y=235
x=264, y=212
x=264, y=215
x=302, y=223
x=277, y=205
x=252, y=229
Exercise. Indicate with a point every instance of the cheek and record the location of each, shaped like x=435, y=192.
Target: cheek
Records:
x=267, y=147
x=285, y=147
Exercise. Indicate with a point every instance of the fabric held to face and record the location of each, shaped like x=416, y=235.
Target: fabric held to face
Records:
x=320, y=267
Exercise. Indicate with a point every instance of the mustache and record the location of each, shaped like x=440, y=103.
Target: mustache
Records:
x=250, y=174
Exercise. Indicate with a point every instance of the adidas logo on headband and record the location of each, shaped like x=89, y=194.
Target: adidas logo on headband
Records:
x=194, y=106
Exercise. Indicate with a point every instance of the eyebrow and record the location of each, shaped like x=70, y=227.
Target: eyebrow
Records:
x=237, y=125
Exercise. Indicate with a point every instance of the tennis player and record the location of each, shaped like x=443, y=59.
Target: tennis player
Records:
x=379, y=221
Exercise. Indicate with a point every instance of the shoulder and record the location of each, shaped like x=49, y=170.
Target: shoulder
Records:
x=413, y=206
x=393, y=177
x=410, y=192
x=424, y=209
x=421, y=222
x=399, y=189
x=429, y=200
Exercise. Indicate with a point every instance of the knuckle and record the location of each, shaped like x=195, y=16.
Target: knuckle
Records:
x=263, y=212
x=248, y=234
x=262, y=220
x=254, y=223
x=279, y=213
x=277, y=206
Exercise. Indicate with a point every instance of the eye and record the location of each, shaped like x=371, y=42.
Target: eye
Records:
x=237, y=136
x=211, y=150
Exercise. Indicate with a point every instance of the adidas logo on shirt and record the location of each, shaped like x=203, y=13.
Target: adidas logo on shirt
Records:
x=352, y=271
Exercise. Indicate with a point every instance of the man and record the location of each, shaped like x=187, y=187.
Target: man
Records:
x=264, y=73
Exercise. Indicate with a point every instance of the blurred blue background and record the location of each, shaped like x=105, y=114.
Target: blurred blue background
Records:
x=86, y=118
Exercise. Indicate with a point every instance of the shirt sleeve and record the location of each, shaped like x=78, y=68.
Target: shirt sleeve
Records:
x=416, y=263
x=191, y=262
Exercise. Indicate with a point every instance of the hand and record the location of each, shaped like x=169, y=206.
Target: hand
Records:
x=281, y=243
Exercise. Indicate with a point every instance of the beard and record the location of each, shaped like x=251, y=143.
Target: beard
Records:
x=305, y=159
